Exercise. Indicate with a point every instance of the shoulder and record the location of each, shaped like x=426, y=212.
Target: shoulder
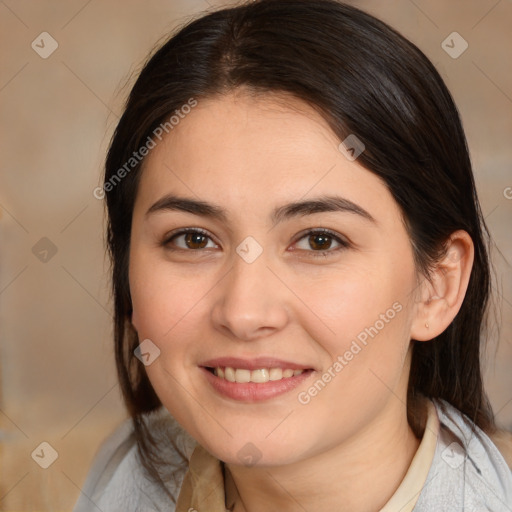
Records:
x=502, y=439
x=468, y=471
x=117, y=481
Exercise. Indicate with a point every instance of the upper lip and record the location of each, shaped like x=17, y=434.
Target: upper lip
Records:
x=254, y=364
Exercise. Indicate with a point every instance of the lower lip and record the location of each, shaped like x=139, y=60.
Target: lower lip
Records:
x=252, y=391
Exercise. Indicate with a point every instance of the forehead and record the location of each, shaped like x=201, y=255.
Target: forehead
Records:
x=253, y=151
x=239, y=131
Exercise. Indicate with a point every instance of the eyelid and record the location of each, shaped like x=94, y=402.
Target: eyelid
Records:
x=342, y=240
x=183, y=231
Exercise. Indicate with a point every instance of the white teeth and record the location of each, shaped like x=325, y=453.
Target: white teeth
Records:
x=229, y=374
x=262, y=375
x=242, y=376
x=276, y=374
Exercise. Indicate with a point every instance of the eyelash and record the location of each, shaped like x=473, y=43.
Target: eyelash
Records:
x=344, y=244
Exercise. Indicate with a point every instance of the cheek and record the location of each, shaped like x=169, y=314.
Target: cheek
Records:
x=352, y=301
x=366, y=318
x=161, y=297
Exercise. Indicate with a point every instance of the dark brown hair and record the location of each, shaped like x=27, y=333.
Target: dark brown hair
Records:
x=365, y=79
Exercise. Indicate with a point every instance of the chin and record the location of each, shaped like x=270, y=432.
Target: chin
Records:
x=253, y=454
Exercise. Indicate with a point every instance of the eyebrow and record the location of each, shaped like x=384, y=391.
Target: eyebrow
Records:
x=321, y=204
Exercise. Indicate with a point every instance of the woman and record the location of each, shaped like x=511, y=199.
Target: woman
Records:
x=300, y=276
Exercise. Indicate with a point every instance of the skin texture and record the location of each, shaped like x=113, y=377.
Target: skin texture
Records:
x=350, y=446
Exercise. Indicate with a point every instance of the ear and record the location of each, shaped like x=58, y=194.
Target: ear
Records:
x=442, y=293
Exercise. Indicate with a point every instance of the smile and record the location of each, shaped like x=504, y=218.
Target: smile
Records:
x=242, y=387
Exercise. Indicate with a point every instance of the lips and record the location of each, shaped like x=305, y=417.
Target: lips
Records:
x=253, y=380
x=252, y=391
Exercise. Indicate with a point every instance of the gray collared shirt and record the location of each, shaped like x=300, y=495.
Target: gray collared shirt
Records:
x=467, y=474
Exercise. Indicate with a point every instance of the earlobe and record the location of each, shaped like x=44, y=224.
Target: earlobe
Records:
x=443, y=291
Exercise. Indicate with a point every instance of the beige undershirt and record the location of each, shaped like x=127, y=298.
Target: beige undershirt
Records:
x=205, y=488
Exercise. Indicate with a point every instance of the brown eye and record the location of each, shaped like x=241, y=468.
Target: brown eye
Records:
x=321, y=242
x=195, y=240
x=190, y=239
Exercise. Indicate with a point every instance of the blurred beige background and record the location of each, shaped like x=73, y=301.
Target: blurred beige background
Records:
x=57, y=114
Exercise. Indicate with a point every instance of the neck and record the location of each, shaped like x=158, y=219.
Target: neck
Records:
x=359, y=475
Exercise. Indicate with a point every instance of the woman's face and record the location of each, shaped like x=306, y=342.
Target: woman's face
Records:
x=261, y=289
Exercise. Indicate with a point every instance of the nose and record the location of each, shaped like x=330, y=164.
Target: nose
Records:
x=250, y=302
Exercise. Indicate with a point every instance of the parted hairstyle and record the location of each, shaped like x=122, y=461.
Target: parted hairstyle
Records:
x=363, y=78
